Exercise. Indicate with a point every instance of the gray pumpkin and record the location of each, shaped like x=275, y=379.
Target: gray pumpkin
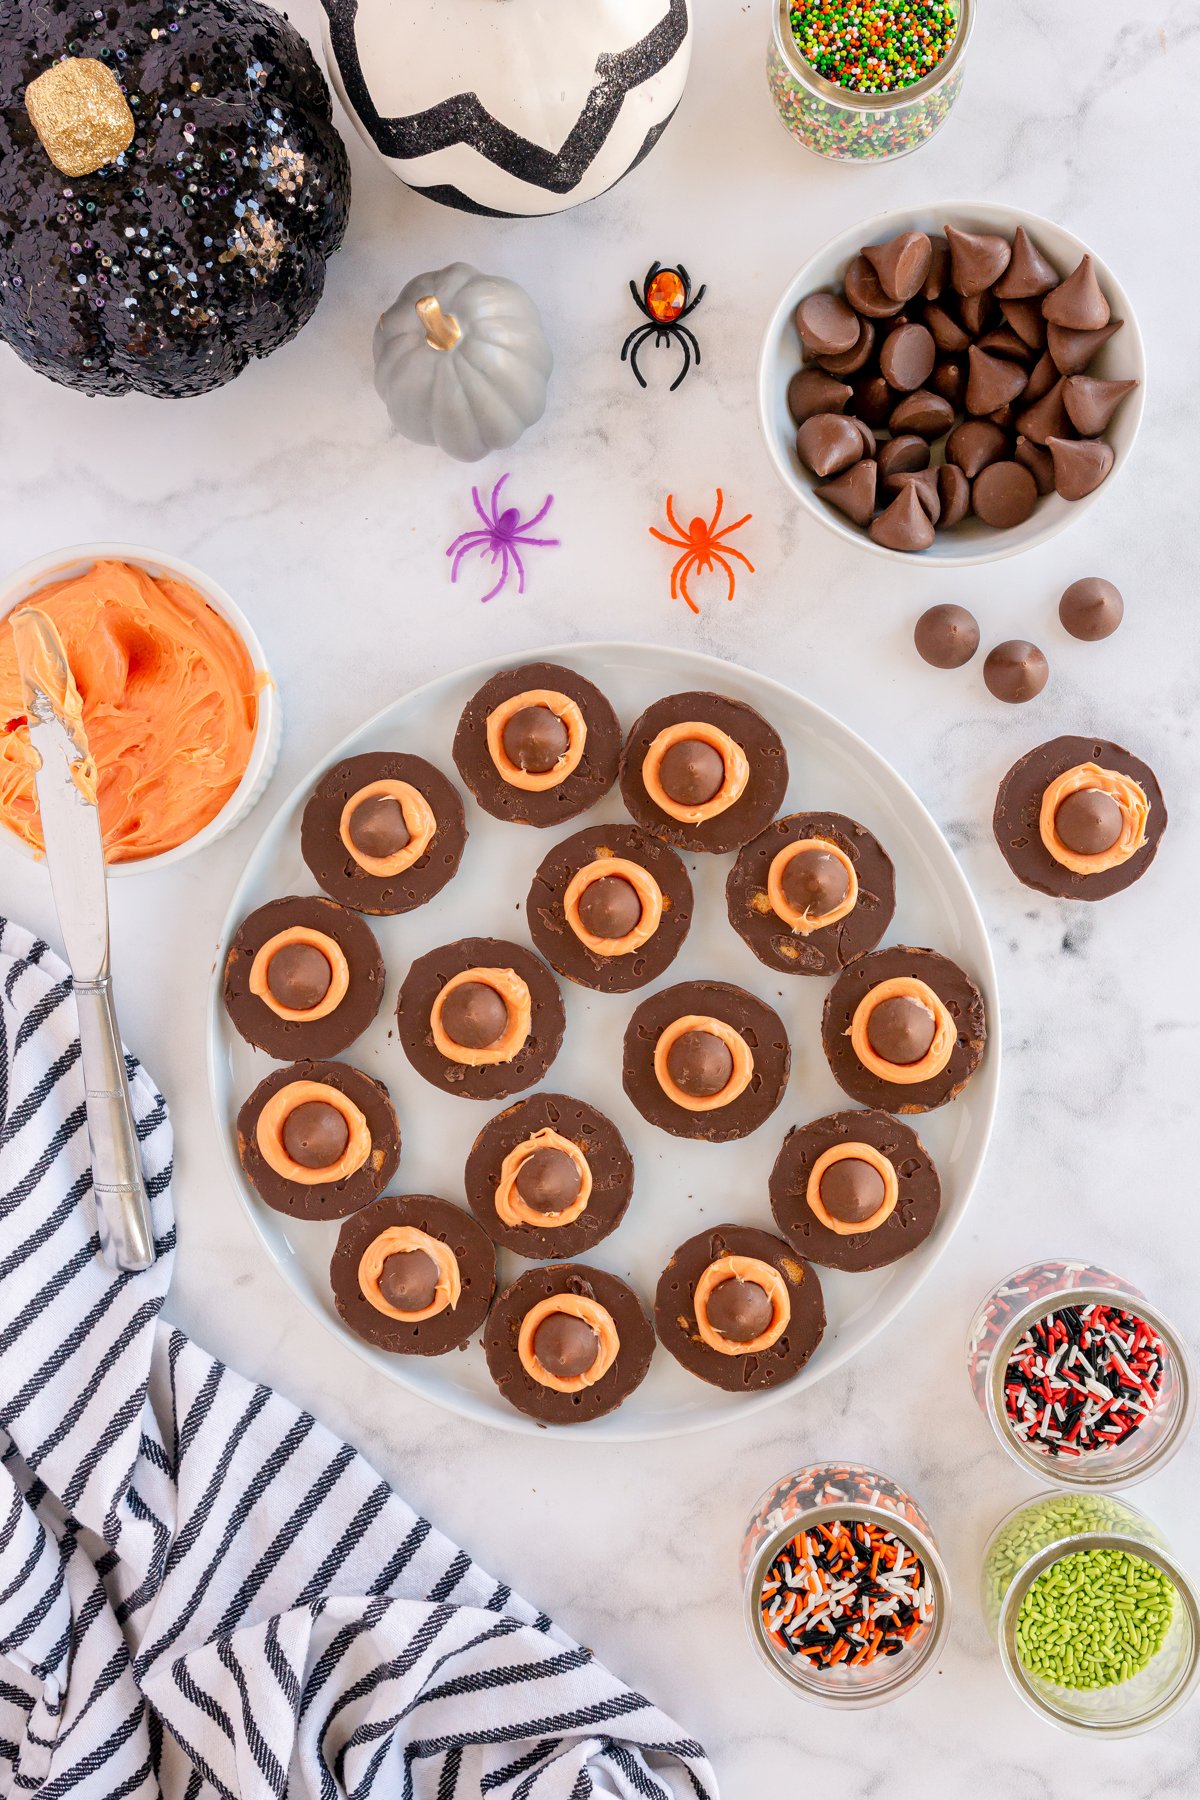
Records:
x=461, y=361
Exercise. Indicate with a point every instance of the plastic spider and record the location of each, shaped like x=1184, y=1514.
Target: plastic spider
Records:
x=700, y=543
x=666, y=299
x=502, y=532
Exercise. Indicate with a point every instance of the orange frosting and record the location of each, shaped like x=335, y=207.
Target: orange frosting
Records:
x=170, y=707
x=511, y=1209
x=644, y=886
x=398, y=1240
x=853, y=1153
x=579, y=1307
x=418, y=819
x=331, y=950
x=1135, y=810
x=804, y=922
x=516, y=997
x=743, y=1268
x=734, y=1042
x=563, y=708
x=274, y=1115
x=733, y=783
x=945, y=1032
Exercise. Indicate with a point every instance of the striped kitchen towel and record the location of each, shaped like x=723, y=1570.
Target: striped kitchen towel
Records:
x=202, y=1592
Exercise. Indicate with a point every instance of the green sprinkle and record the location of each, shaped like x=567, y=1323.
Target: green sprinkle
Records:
x=1077, y=1625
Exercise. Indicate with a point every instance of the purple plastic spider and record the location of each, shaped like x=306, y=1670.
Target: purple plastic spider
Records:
x=502, y=532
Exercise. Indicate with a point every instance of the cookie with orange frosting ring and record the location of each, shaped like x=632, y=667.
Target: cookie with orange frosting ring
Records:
x=303, y=977
x=903, y=1029
x=568, y=1343
x=610, y=907
x=383, y=832
x=811, y=892
x=481, y=1018
x=706, y=1059
x=549, y=1177
x=413, y=1275
x=739, y=1308
x=318, y=1140
x=703, y=771
x=538, y=744
x=855, y=1190
x=1108, y=834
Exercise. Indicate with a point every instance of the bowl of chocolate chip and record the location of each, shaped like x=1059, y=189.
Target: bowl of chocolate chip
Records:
x=958, y=382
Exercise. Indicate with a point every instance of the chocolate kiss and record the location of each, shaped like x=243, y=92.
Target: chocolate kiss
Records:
x=1091, y=404
x=939, y=268
x=854, y=492
x=946, y=332
x=826, y=325
x=1080, y=465
x=975, y=310
x=954, y=492
x=992, y=382
x=813, y=391
x=828, y=443
x=1028, y=275
x=1042, y=378
x=1039, y=462
x=851, y=361
x=866, y=293
x=1078, y=302
x=1073, y=350
x=1003, y=341
x=929, y=415
x=925, y=481
x=1025, y=318
x=901, y=264
x=977, y=259
x=974, y=444
x=905, y=525
x=1047, y=417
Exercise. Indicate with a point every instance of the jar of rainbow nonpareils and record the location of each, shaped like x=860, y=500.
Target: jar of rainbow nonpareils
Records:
x=1097, y=1623
x=846, y=1597
x=1084, y=1382
x=866, y=80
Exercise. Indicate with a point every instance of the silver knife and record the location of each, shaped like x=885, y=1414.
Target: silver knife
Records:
x=65, y=781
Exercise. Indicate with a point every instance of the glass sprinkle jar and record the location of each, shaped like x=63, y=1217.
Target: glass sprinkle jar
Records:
x=1030, y=1543
x=849, y=126
x=847, y=1494
x=1054, y=1286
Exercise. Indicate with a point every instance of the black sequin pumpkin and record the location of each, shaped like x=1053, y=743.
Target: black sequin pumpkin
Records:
x=204, y=243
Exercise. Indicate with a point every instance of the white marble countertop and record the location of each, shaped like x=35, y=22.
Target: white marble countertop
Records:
x=288, y=488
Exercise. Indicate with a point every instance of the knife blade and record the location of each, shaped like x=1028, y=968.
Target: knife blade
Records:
x=65, y=779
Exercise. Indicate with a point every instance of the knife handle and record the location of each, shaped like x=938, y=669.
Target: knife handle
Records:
x=122, y=1206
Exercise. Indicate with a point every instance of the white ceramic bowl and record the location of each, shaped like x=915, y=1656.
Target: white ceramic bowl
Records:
x=1123, y=357
x=73, y=560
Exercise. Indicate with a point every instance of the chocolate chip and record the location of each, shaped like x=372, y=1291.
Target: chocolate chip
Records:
x=298, y=976
x=939, y=269
x=1004, y=494
x=946, y=636
x=377, y=826
x=315, y=1134
x=1080, y=465
x=949, y=381
x=901, y=1030
x=901, y=264
x=535, y=739
x=691, y=772
x=1091, y=404
x=866, y=293
x=905, y=525
x=1003, y=341
x=1024, y=319
x=1042, y=378
x=1091, y=609
x=565, y=1346
x=992, y=381
x=1047, y=417
x=700, y=1064
x=827, y=443
x=928, y=414
x=902, y=453
x=610, y=907
x=907, y=357
x=853, y=492
x=814, y=882
x=974, y=444
x=548, y=1181
x=977, y=259
x=975, y=311
x=1028, y=274
x=1073, y=350
x=1078, y=303
x=925, y=483
x=739, y=1310
x=827, y=326
x=813, y=391
x=852, y=1190
x=850, y=361
x=474, y=1015
x=1015, y=671
x=945, y=331
x=1089, y=821
x=408, y=1280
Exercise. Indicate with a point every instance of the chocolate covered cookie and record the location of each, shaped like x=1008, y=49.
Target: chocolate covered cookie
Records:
x=413, y=1275
x=706, y=1060
x=1079, y=818
x=703, y=771
x=318, y=1140
x=481, y=1018
x=855, y=1190
x=383, y=832
x=903, y=1029
x=538, y=745
x=568, y=1344
x=739, y=1308
x=303, y=977
x=610, y=907
x=549, y=1177
x=811, y=892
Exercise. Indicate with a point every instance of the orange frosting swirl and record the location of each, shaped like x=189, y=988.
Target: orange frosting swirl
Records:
x=170, y=707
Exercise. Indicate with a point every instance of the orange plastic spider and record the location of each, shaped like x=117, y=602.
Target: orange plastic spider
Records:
x=700, y=543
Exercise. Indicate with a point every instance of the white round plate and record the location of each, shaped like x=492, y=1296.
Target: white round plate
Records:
x=681, y=1187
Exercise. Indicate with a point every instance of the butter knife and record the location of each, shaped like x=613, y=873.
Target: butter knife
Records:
x=66, y=793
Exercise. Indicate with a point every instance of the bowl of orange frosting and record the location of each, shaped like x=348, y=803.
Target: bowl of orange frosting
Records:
x=181, y=714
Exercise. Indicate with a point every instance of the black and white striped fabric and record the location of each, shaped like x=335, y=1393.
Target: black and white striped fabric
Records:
x=203, y=1592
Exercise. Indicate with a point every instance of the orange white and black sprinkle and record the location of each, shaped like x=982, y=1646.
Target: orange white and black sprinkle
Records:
x=846, y=1592
x=1083, y=1379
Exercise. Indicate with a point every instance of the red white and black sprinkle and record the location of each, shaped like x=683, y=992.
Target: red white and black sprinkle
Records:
x=846, y=1592
x=1083, y=1379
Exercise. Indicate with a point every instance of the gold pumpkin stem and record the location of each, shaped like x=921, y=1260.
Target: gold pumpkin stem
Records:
x=442, y=330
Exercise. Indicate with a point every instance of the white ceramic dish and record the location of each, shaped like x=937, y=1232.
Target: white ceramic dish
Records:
x=681, y=1187
x=61, y=564
x=1122, y=358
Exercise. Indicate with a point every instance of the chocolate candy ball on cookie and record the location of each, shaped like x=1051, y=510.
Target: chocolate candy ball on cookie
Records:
x=303, y=977
x=811, y=892
x=538, y=744
x=855, y=1190
x=903, y=1029
x=703, y=771
x=610, y=907
x=383, y=832
x=568, y=1344
x=549, y=1177
x=413, y=1275
x=739, y=1308
x=707, y=1060
x=1079, y=818
x=318, y=1140
x=481, y=1018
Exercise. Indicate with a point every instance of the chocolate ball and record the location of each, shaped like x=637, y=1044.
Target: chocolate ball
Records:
x=946, y=636
x=408, y=1280
x=377, y=827
x=298, y=976
x=901, y=1029
x=739, y=1310
x=315, y=1134
x=691, y=772
x=700, y=1064
x=1015, y=671
x=610, y=907
x=1091, y=609
x=852, y=1190
x=564, y=1345
x=814, y=882
x=474, y=1015
x=1089, y=821
x=548, y=1181
x=535, y=739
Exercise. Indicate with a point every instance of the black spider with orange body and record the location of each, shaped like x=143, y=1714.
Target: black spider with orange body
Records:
x=666, y=299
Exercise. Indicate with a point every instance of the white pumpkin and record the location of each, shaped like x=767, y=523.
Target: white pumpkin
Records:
x=510, y=107
x=461, y=361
